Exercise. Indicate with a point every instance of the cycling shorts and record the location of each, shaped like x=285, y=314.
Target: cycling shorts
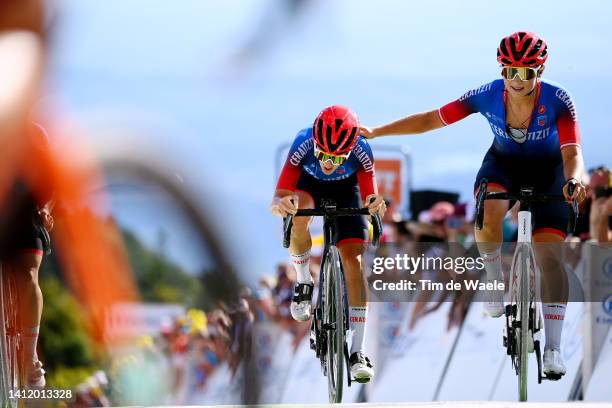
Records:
x=544, y=175
x=345, y=193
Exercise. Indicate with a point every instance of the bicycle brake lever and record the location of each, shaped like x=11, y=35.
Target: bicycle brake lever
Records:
x=376, y=226
x=287, y=224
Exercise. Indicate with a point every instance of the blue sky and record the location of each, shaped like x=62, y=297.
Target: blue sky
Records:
x=168, y=72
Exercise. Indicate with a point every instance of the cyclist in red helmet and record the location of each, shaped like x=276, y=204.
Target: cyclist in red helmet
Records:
x=536, y=143
x=331, y=161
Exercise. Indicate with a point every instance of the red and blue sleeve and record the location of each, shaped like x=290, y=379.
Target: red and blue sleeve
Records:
x=470, y=102
x=455, y=111
x=292, y=170
x=567, y=121
x=367, y=183
x=289, y=177
x=366, y=174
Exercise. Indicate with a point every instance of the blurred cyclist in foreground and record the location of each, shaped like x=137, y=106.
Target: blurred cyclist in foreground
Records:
x=331, y=161
x=27, y=221
x=536, y=143
x=25, y=215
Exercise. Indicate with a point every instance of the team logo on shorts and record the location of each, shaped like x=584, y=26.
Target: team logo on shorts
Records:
x=541, y=109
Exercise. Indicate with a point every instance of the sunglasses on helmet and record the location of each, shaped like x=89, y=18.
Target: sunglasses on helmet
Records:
x=524, y=73
x=336, y=160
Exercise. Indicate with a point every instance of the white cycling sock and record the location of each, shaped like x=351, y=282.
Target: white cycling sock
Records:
x=301, y=263
x=554, y=314
x=357, y=324
x=492, y=261
x=29, y=340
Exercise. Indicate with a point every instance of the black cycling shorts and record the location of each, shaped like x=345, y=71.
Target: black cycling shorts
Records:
x=544, y=175
x=22, y=230
x=345, y=193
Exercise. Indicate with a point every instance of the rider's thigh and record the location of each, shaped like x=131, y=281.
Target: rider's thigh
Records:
x=305, y=199
x=351, y=255
x=497, y=172
x=495, y=210
x=301, y=224
x=548, y=246
x=26, y=265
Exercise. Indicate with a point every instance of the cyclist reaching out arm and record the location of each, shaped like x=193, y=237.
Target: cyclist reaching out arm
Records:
x=536, y=143
x=413, y=124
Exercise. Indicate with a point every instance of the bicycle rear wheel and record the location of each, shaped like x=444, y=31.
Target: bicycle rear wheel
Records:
x=334, y=322
x=9, y=341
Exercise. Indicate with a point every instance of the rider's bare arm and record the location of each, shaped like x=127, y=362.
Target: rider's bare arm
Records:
x=573, y=163
x=416, y=123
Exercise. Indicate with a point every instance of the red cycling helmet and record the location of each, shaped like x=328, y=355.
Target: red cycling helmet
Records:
x=336, y=130
x=522, y=49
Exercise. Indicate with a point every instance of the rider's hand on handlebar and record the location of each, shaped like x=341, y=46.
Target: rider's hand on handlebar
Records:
x=367, y=132
x=283, y=206
x=579, y=191
x=377, y=205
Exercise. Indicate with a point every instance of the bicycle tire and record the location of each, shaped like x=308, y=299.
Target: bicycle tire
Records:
x=523, y=312
x=334, y=321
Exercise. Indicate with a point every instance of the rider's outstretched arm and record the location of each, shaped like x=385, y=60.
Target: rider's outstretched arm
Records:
x=416, y=123
x=470, y=102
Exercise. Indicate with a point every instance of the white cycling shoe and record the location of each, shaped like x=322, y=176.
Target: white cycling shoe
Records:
x=35, y=376
x=362, y=370
x=494, y=306
x=553, y=364
x=301, y=303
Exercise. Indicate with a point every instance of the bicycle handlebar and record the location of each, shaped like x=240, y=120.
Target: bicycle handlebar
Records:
x=525, y=196
x=332, y=212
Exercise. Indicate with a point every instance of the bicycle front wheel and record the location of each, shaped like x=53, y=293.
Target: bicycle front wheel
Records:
x=334, y=322
x=524, y=273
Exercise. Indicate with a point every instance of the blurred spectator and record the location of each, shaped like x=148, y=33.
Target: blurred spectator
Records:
x=601, y=205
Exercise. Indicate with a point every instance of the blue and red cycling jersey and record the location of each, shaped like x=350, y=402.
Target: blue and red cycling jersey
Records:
x=301, y=158
x=553, y=123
